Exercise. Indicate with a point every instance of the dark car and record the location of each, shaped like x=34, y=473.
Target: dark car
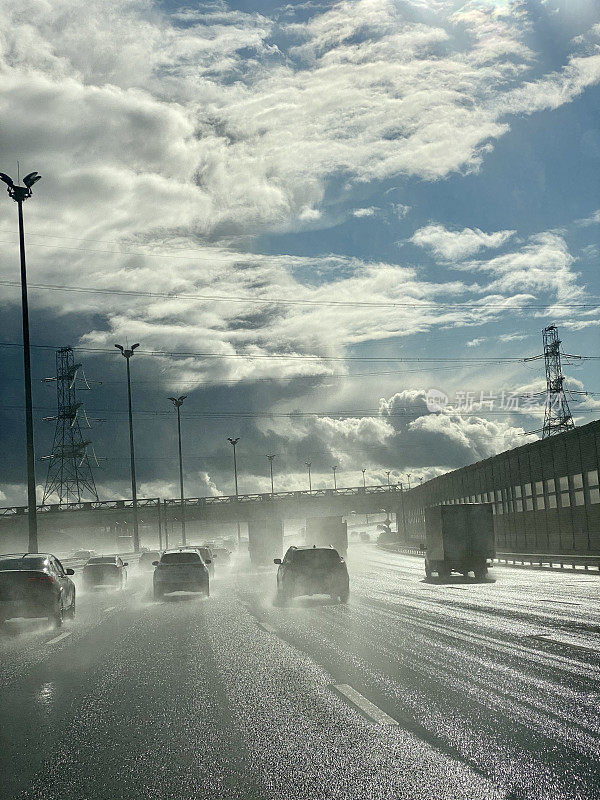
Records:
x=312, y=570
x=181, y=570
x=208, y=558
x=148, y=558
x=35, y=585
x=84, y=555
x=105, y=571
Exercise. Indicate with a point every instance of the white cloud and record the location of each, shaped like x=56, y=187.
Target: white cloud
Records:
x=593, y=219
x=455, y=245
x=365, y=212
x=543, y=264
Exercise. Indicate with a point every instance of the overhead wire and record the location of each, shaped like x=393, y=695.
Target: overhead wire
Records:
x=416, y=303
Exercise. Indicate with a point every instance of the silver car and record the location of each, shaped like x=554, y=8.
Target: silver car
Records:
x=181, y=570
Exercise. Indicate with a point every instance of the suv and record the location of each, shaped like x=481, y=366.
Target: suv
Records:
x=312, y=570
x=181, y=570
x=207, y=556
x=36, y=585
x=105, y=571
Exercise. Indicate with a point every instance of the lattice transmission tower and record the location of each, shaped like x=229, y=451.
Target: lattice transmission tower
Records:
x=69, y=470
x=557, y=414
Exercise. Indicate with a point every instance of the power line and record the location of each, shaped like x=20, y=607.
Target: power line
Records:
x=300, y=357
x=407, y=411
x=417, y=303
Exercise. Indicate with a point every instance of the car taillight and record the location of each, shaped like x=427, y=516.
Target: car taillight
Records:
x=43, y=579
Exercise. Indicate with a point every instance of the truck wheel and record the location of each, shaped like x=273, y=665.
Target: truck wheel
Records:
x=427, y=570
x=345, y=596
x=158, y=593
x=480, y=574
x=443, y=572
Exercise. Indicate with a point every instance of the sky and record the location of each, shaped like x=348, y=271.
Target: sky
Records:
x=309, y=215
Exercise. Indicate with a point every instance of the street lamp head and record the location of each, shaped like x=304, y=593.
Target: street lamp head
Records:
x=308, y=464
x=127, y=352
x=178, y=401
x=233, y=442
x=30, y=179
x=20, y=193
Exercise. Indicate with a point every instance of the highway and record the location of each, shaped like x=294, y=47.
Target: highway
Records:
x=413, y=690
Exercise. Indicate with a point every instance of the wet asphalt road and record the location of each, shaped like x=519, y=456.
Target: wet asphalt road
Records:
x=490, y=690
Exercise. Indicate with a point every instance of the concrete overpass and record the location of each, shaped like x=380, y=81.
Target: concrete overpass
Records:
x=108, y=519
x=287, y=505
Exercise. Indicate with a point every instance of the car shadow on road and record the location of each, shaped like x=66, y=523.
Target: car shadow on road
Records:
x=308, y=602
x=183, y=597
x=457, y=580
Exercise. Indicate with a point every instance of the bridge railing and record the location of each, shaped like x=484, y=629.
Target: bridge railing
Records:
x=101, y=505
x=85, y=505
x=296, y=495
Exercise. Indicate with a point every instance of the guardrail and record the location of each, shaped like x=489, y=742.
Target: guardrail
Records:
x=514, y=559
x=550, y=560
x=396, y=547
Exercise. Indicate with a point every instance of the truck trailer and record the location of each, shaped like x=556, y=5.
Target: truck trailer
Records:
x=460, y=538
x=265, y=540
x=327, y=531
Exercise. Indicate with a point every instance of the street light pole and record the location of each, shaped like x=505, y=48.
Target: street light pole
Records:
x=19, y=194
x=403, y=514
x=271, y=456
x=308, y=464
x=408, y=474
x=335, y=466
x=364, y=484
x=178, y=402
x=127, y=353
x=233, y=443
x=387, y=472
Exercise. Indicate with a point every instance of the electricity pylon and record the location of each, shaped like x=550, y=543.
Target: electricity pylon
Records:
x=69, y=471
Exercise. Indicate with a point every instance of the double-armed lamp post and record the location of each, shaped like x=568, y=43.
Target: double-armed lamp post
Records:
x=178, y=402
x=233, y=443
x=127, y=352
x=19, y=194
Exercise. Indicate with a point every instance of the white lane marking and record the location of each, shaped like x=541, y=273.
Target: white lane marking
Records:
x=368, y=708
x=266, y=627
x=58, y=638
x=110, y=608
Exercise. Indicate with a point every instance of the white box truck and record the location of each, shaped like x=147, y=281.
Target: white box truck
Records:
x=459, y=538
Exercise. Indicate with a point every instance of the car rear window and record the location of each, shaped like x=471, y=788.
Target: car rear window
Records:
x=23, y=563
x=179, y=558
x=102, y=560
x=316, y=558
